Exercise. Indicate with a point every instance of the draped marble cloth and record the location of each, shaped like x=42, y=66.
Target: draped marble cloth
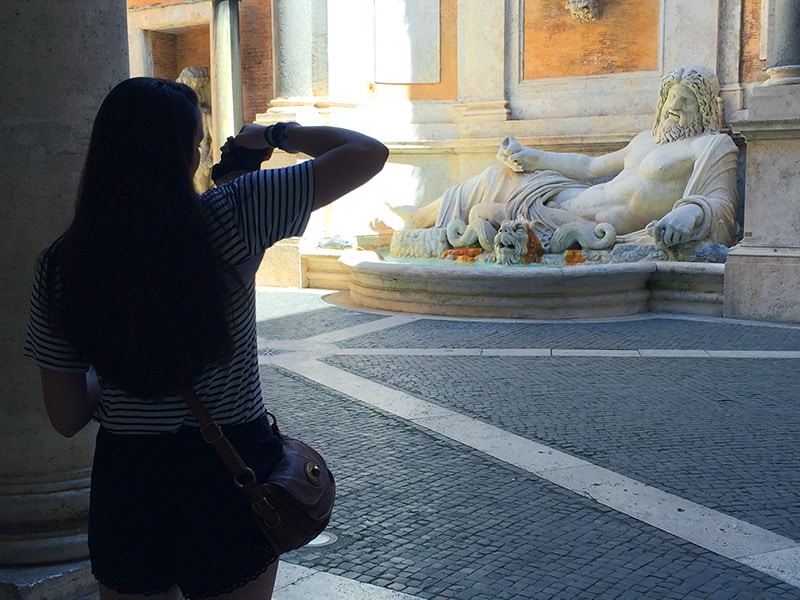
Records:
x=533, y=196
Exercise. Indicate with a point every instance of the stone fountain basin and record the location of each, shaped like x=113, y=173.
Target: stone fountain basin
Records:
x=534, y=291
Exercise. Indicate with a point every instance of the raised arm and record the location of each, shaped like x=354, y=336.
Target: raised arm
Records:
x=577, y=166
x=343, y=159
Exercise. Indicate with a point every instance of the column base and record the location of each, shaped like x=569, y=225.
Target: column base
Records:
x=44, y=522
x=785, y=75
x=763, y=283
x=71, y=581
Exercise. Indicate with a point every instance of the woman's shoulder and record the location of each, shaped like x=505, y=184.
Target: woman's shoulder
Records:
x=47, y=258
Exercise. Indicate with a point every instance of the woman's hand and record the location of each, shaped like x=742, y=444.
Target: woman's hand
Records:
x=343, y=159
x=251, y=135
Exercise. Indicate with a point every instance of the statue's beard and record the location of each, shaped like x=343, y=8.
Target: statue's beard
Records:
x=671, y=131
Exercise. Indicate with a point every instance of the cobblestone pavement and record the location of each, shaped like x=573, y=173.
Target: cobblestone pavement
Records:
x=649, y=457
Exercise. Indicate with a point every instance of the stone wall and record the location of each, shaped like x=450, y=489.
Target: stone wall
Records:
x=180, y=37
x=623, y=39
x=164, y=47
x=447, y=86
x=753, y=51
x=173, y=51
x=255, y=22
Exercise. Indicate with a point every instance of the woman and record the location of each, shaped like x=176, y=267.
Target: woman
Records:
x=150, y=291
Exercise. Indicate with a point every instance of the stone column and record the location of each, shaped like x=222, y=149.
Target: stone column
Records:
x=481, y=61
x=783, y=44
x=762, y=274
x=226, y=75
x=301, y=57
x=59, y=59
x=292, y=43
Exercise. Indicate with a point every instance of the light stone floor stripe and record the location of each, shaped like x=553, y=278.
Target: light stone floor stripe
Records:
x=300, y=583
x=738, y=540
x=322, y=348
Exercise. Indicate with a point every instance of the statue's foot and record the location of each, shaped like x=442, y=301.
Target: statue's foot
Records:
x=405, y=212
x=379, y=226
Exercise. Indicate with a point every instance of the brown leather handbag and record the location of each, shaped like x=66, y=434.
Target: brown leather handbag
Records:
x=294, y=504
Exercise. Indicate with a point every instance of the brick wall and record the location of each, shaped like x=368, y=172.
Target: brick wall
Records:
x=627, y=24
x=255, y=31
x=174, y=50
x=164, y=54
x=751, y=64
x=193, y=48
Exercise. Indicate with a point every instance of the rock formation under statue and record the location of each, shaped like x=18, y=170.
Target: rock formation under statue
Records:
x=669, y=194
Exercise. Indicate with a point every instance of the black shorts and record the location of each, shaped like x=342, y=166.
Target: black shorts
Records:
x=164, y=511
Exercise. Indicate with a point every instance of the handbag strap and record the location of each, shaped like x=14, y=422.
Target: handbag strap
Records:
x=243, y=476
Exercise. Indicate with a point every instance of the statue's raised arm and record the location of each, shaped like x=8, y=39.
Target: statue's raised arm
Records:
x=523, y=159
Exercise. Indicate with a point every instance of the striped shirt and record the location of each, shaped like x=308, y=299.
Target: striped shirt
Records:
x=245, y=217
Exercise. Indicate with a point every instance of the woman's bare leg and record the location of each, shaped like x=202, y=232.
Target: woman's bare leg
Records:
x=258, y=589
x=109, y=594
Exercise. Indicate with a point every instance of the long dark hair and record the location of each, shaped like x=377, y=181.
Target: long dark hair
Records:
x=141, y=290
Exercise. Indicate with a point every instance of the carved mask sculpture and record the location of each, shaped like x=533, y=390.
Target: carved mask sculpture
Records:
x=511, y=243
x=584, y=11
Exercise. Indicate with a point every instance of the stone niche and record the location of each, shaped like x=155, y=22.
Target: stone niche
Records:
x=623, y=39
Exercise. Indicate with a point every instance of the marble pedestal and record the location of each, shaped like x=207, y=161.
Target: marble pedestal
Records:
x=762, y=275
x=533, y=292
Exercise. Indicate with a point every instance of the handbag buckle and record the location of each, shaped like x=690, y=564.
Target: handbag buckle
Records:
x=211, y=432
x=259, y=507
x=245, y=478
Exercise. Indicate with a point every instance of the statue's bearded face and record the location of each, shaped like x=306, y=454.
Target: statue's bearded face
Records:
x=680, y=116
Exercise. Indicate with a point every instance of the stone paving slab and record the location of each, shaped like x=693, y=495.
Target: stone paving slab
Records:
x=722, y=432
x=300, y=583
x=702, y=408
x=297, y=314
x=425, y=516
x=618, y=334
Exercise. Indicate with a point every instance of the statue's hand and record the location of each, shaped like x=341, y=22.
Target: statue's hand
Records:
x=677, y=226
x=517, y=157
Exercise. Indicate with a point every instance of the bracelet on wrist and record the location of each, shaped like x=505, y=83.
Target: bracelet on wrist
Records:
x=268, y=135
x=275, y=135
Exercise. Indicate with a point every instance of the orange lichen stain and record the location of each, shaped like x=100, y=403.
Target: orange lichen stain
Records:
x=573, y=257
x=535, y=250
x=462, y=254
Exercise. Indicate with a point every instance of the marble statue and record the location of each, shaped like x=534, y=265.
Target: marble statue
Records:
x=668, y=187
x=198, y=79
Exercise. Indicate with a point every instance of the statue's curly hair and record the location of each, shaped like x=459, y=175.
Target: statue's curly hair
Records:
x=706, y=89
x=198, y=79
